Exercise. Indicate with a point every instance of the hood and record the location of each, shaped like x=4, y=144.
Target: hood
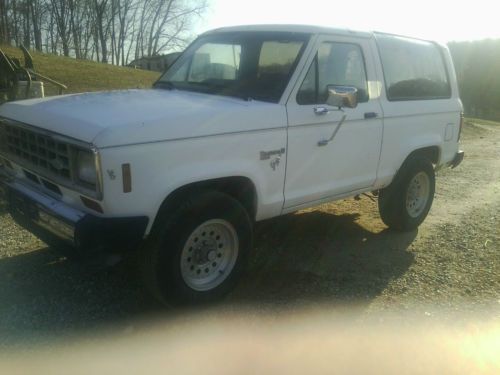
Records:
x=116, y=118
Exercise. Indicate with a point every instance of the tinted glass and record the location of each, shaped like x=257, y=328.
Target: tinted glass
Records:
x=256, y=65
x=413, y=69
x=339, y=64
x=278, y=57
x=215, y=61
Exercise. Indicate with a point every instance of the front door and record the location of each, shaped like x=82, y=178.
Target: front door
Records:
x=316, y=171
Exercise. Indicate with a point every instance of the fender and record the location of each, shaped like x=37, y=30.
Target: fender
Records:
x=158, y=169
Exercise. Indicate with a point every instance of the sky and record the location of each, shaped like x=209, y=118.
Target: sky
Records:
x=438, y=20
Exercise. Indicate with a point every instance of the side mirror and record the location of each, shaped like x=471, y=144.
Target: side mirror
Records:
x=342, y=96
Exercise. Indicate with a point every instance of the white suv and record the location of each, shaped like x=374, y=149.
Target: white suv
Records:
x=249, y=123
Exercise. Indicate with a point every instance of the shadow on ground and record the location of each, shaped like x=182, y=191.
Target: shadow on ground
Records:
x=299, y=259
x=319, y=257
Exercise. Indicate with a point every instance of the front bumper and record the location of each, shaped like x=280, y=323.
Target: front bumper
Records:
x=40, y=213
x=459, y=157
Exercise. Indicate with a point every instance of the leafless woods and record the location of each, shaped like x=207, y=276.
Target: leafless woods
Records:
x=111, y=31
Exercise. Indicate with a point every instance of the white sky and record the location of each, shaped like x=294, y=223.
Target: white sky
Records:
x=441, y=20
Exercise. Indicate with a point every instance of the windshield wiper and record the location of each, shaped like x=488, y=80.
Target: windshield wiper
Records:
x=204, y=87
x=224, y=90
x=169, y=85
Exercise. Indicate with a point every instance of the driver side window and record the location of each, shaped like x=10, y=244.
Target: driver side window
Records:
x=339, y=64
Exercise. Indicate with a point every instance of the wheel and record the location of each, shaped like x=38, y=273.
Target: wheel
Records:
x=199, y=251
x=405, y=203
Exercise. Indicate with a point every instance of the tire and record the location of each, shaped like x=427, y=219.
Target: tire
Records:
x=198, y=253
x=405, y=203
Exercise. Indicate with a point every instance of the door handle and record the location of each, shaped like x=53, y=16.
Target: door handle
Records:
x=324, y=142
x=369, y=115
x=321, y=111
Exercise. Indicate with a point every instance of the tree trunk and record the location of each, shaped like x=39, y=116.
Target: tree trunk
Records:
x=26, y=15
x=36, y=18
x=75, y=28
x=100, y=9
x=15, y=28
x=160, y=28
x=4, y=23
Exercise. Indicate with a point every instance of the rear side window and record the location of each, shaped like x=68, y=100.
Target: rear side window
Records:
x=413, y=69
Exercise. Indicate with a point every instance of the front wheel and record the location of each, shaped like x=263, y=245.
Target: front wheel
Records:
x=200, y=251
x=405, y=203
x=209, y=255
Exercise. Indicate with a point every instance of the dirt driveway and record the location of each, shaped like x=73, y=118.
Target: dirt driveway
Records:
x=335, y=256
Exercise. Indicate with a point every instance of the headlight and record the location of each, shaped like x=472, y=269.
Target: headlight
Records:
x=85, y=164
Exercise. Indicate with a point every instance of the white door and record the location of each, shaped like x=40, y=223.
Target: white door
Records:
x=348, y=162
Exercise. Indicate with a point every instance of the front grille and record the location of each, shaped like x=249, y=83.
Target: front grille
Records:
x=36, y=151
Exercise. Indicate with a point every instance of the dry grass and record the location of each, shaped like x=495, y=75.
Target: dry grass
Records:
x=473, y=120
x=83, y=75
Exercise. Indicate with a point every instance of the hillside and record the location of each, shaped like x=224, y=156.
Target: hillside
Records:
x=83, y=75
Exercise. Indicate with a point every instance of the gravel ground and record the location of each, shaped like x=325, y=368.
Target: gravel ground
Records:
x=338, y=256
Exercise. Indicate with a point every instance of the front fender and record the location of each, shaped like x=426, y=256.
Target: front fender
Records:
x=158, y=169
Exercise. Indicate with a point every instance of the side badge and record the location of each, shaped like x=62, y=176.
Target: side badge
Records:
x=266, y=155
x=275, y=163
x=111, y=174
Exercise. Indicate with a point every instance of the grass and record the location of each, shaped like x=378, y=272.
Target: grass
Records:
x=481, y=121
x=83, y=75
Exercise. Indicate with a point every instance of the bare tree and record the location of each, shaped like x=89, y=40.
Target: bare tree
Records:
x=100, y=8
x=61, y=12
x=75, y=25
x=105, y=30
x=38, y=9
x=170, y=22
x=124, y=8
x=4, y=24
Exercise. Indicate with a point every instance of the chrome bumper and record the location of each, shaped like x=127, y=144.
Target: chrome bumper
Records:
x=459, y=157
x=35, y=210
x=40, y=209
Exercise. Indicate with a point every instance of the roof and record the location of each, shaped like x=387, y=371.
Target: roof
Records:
x=311, y=29
x=294, y=28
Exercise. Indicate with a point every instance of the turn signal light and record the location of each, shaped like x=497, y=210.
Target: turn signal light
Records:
x=93, y=205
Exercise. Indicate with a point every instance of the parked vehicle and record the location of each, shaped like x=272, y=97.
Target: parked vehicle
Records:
x=249, y=123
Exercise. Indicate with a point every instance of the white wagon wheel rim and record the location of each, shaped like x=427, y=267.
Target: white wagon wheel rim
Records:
x=417, y=194
x=209, y=255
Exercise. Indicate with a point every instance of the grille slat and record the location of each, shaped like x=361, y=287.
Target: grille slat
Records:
x=39, y=152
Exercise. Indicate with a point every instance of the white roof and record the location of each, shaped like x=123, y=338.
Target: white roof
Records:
x=294, y=28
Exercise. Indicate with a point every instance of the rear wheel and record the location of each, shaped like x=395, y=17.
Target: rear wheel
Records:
x=199, y=252
x=405, y=203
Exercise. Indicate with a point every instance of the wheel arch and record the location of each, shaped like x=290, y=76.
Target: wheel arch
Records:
x=240, y=188
x=431, y=153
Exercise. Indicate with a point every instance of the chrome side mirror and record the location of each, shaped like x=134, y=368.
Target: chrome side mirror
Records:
x=342, y=96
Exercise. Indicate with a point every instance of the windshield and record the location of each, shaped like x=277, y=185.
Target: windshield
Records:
x=250, y=65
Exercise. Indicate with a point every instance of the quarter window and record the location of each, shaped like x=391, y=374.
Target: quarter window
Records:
x=413, y=69
x=340, y=64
